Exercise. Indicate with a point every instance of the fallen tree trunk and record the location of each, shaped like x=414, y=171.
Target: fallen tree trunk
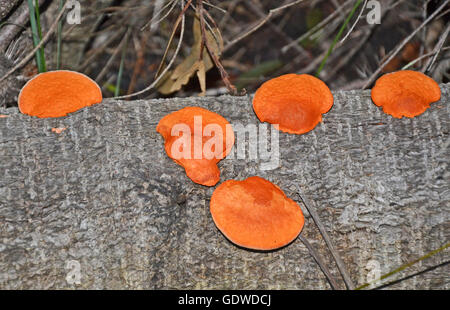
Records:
x=100, y=205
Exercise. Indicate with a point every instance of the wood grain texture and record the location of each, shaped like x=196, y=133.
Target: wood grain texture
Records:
x=104, y=194
x=6, y=7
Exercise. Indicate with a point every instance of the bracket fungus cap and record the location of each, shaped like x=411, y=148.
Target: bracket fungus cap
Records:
x=256, y=214
x=57, y=93
x=405, y=93
x=295, y=102
x=202, y=170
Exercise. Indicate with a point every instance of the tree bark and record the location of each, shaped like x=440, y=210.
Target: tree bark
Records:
x=6, y=7
x=18, y=19
x=100, y=205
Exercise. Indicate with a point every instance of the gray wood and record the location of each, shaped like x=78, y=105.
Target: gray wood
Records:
x=6, y=6
x=16, y=22
x=103, y=196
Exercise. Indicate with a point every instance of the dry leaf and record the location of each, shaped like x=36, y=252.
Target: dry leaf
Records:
x=201, y=75
x=193, y=64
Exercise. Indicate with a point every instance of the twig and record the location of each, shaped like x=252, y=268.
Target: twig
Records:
x=229, y=10
x=412, y=63
x=214, y=24
x=340, y=264
x=156, y=14
x=261, y=23
x=44, y=40
x=89, y=37
x=113, y=56
x=402, y=44
x=330, y=50
x=18, y=19
x=277, y=29
x=215, y=7
x=320, y=262
x=314, y=29
x=349, y=56
x=423, y=33
x=138, y=66
x=436, y=50
x=443, y=14
x=172, y=36
x=12, y=50
x=354, y=24
x=223, y=73
x=93, y=53
x=172, y=60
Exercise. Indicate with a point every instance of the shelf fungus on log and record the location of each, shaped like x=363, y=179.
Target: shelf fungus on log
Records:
x=293, y=102
x=58, y=93
x=197, y=139
x=255, y=214
x=405, y=93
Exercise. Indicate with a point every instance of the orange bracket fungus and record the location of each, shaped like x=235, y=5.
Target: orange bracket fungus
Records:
x=197, y=139
x=294, y=102
x=405, y=93
x=57, y=93
x=255, y=214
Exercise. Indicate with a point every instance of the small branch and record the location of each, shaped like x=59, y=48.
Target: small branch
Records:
x=172, y=36
x=330, y=50
x=354, y=24
x=436, y=50
x=412, y=63
x=44, y=40
x=316, y=28
x=320, y=262
x=158, y=12
x=423, y=33
x=340, y=264
x=113, y=56
x=172, y=60
x=215, y=7
x=223, y=73
x=276, y=28
x=18, y=19
x=402, y=44
x=140, y=60
x=261, y=23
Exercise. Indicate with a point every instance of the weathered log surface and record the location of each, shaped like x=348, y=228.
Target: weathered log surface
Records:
x=102, y=195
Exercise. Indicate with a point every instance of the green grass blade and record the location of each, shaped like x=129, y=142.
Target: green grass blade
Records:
x=401, y=268
x=338, y=36
x=59, y=37
x=39, y=29
x=122, y=61
x=38, y=19
x=40, y=62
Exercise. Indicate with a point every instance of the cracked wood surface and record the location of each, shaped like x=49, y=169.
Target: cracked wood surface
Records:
x=98, y=204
